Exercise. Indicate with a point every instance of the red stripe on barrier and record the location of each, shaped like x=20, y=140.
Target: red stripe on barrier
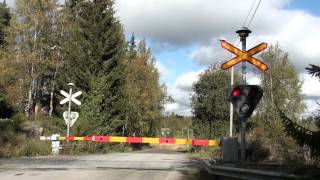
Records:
x=134, y=139
x=87, y=138
x=167, y=140
x=101, y=138
x=200, y=142
x=70, y=138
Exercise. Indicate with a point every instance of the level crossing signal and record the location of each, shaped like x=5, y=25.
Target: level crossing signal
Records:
x=242, y=56
x=244, y=99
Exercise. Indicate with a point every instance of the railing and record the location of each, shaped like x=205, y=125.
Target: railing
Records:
x=242, y=173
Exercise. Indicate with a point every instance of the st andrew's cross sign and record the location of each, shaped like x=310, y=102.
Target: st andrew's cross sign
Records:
x=244, y=56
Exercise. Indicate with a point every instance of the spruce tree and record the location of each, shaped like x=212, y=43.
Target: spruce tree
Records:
x=94, y=53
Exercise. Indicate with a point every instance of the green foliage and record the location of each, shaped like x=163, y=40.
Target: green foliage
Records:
x=209, y=103
x=4, y=21
x=31, y=38
x=143, y=91
x=16, y=143
x=281, y=85
x=35, y=147
x=205, y=152
x=178, y=125
x=302, y=134
x=47, y=46
x=93, y=52
x=282, y=88
x=314, y=70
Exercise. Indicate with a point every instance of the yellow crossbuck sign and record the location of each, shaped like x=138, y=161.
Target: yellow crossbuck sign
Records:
x=244, y=56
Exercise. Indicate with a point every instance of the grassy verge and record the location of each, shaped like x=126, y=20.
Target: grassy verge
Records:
x=205, y=153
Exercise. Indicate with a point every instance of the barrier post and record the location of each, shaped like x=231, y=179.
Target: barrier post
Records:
x=55, y=144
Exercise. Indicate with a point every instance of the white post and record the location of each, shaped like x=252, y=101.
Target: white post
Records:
x=231, y=106
x=55, y=144
x=69, y=113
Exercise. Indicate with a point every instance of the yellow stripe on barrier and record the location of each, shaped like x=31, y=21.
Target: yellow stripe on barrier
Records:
x=150, y=140
x=78, y=138
x=213, y=143
x=183, y=141
x=118, y=139
x=62, y=138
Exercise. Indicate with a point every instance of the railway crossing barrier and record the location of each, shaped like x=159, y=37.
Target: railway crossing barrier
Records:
x=131, y=140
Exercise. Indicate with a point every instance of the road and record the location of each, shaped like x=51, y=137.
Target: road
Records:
x=142, y=165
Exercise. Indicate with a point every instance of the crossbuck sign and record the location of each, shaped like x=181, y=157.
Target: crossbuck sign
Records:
x=244, y=56
x=73, y=97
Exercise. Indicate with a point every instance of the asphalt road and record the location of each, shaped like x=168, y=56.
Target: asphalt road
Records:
x=145, y=165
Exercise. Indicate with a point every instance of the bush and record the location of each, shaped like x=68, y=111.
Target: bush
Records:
x=35, y=147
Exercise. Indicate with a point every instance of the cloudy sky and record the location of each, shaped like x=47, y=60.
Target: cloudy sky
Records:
x=184, y=37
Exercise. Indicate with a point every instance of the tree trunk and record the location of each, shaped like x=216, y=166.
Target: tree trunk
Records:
x=28, y=109
x=52, y=90
x=51, y=102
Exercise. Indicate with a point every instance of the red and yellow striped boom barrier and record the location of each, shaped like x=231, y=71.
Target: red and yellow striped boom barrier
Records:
x=136, y=140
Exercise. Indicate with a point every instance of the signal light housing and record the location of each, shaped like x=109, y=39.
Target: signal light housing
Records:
x=244, y=99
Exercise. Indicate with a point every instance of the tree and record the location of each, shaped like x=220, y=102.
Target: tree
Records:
x=281, y=86
x=94, y=61
x=31, y=36
x=6, y=73
x=209, y=103
x=282, y=89
x=4, y=21
x=301, y=134
x=143, y=91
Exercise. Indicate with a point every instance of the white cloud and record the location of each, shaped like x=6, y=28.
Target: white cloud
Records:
x=193, y=22
x=312, y=107
x=298, y=34
x=165, y=73
x=181, y=93
x=11, y=3
x=185, y=22
x=311, y=86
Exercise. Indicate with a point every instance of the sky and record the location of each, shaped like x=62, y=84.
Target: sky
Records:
x=184, y=38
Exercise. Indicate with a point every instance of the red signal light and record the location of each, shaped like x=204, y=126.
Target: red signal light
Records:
x=236, y=92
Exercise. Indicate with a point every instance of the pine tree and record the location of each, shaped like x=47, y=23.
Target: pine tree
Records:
x=93, y=53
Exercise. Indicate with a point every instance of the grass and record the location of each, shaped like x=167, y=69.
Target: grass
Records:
x=205, y=153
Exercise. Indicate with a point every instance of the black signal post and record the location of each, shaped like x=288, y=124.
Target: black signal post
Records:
x=244, y=99
x=243, y=33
